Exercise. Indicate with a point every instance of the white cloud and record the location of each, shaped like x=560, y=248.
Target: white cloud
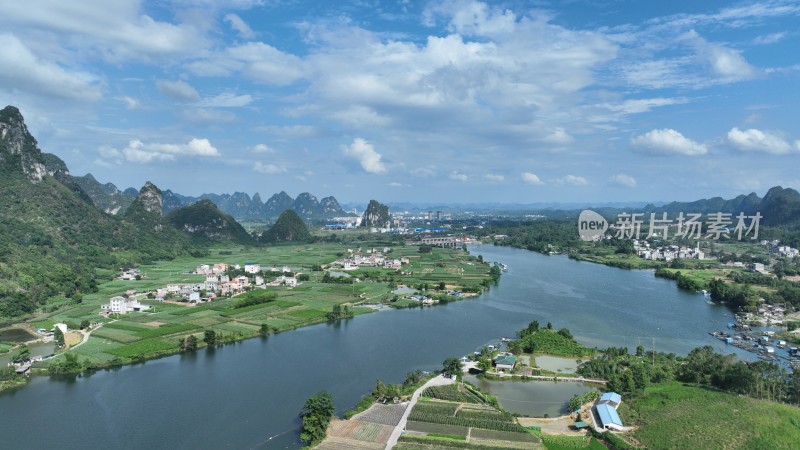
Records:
x=769, y=38
x=22, y=70
x=257, y=61
x=117, y=30
x=667, y=142
x=365, y=154
x=270, y=169
x=359, y=116
x=207, y=116
x=424, y=172
x=397, y=184
x=755, y=140
x=642, y=105
x=559, y=136
x=227, y=100
x=472, y=18
x=263, y=148
x=458, y=176
x=572, y=180
x=622, y=179
x=726, y=63
x=291, y=132
x=178, y=90
x=240, y=26
x=131, y=103
x=494, y=177
x=138, y=151
x=532, y=178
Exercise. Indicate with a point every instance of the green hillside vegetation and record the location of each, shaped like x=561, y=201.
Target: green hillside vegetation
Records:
x=104, y=196
x=53, y=240
x=548, y=341
x=204, y=222
x=288, y=228
x=673, y=415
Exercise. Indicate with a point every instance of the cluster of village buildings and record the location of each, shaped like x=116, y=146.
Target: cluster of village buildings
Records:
x=766, y=314
x=371, y=258
x=666, y=253
x=776, y=248
x=217, y=283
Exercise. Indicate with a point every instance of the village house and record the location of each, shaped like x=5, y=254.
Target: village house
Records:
x=283, y=281
x=252, y=268
x=130, y=274
x=122, y=305
x=505, y=361
x=212, y=284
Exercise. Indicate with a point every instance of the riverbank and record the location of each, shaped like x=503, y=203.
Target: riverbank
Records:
x=169, y=328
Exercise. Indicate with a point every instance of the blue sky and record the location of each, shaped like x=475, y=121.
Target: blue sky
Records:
x=446, y=101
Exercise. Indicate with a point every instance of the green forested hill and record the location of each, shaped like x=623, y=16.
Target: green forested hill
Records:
x=288, y=227
x=205, y=221
x=53, y=239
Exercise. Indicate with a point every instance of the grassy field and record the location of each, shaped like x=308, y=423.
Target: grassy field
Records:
x=672, y=415
x=157, y=332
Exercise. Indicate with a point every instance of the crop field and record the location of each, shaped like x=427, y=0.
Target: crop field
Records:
x=382, y=414
x=448, y=413
x=502, y=436
x=452, y=393
x=437, y=428
x=355, y=435
x=434, y=407
x=156, y=332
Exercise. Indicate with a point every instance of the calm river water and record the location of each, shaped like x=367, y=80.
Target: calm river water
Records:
x=248, y=395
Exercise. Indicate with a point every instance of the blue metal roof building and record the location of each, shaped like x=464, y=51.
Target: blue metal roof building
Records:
x=612, y=398
x=608, y=417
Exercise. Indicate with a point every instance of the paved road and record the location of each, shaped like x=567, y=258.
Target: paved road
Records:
x=398, y=430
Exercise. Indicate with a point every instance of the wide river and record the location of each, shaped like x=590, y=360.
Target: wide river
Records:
x=248, y=395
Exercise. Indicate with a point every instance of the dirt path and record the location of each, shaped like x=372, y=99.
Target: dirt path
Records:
x=398, y=430
x=86, y=335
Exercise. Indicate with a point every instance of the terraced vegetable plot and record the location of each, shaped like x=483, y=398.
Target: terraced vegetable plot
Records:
x=453, y=393
x=437, y=428
x=383, y=414
x=502, y=436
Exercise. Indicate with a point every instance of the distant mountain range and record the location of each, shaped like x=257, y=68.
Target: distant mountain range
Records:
x=780, y=206
x=239, y=205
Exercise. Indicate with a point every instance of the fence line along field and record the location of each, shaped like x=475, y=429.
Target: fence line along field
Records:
x=136, y=336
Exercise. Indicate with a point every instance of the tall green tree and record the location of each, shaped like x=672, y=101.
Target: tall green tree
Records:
x=210, y=338
x=59, y=337
x=316, y=416
x=451, y=366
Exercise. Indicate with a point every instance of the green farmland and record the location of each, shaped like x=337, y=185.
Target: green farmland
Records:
x=158, y=332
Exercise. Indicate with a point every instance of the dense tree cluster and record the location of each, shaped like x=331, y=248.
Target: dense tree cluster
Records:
x=630, y=374
x=546, y=340
x=316, y=416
